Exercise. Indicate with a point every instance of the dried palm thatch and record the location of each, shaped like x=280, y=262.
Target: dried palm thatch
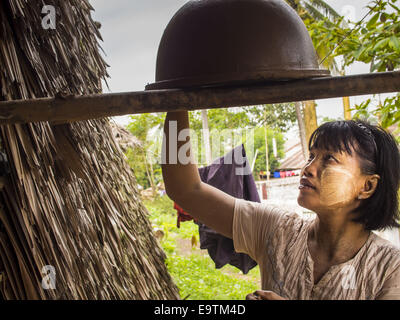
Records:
x=124, y=138
x=68, y=198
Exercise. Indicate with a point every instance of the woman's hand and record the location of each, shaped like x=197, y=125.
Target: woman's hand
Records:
x=183, y=185
x=264, y=295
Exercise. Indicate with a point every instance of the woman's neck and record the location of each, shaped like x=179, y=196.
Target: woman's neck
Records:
x=336, y=240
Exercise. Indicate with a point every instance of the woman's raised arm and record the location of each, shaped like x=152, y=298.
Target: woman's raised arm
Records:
x=183, y=185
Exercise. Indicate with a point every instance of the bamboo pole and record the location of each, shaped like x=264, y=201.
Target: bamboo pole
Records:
x=346, y=108
x=77, y=108
x=310, y=118
x=266, y=145
x=302, y=129
x=206, y=136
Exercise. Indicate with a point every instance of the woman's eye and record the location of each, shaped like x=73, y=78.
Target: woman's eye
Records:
x=329, y=157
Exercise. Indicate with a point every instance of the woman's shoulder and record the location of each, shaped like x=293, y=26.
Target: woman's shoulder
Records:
x=285, y=214
x=384, y=247
x=265, y=208
x=383, y=267
x=282, y=219
x=384, y=253
x=289, y=221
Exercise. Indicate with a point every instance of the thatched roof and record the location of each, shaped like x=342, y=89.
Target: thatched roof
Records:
x=124, y=138
x=294, y=157
x=70, y=200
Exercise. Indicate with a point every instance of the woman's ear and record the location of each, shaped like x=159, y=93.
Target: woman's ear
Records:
x=370, y=184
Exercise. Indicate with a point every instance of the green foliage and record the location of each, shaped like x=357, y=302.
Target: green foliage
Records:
x=229, y=127
x=226, y=129
x=313, y=9
x=374, y=41
x=259, y=143
x=135, y=161
x=228, y=118
x=163, y=215
x=363, y=113
x=279, y=116
x=143, y=160
x=325, y=40
x=321, y=14
x=377, y=43
x=194, y=272
x=239, y=121
x=389, y=111
x=322, y=120
x=142, y=123
x=386, y=113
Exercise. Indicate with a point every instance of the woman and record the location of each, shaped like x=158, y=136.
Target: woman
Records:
x=350, y=181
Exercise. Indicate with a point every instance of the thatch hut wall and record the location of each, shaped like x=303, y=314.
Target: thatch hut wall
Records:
x=68, y=199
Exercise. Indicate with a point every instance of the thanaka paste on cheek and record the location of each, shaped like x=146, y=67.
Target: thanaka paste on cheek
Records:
x=337, y=187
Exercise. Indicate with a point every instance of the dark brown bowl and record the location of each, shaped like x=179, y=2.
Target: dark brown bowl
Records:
x=229, y=42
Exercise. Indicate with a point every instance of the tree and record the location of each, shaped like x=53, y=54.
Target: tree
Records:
x=377, y=43
x=318, y=11
x=374, y=41
x=314, y=11
x=147, y=171
x=279, y=116
x=230, y=127
x=259, y=143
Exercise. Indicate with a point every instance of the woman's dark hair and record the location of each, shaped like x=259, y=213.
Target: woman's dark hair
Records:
x=379, y=154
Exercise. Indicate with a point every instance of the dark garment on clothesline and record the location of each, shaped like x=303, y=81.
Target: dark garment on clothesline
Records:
x=231, y=174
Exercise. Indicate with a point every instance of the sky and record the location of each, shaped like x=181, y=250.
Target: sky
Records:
x=132, y=30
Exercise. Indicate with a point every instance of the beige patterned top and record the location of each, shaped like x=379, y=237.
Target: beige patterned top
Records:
x=277, y=240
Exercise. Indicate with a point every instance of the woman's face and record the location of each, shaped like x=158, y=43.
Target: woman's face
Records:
x=330, y=181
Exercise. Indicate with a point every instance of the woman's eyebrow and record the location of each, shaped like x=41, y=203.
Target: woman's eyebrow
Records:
x=338, y=155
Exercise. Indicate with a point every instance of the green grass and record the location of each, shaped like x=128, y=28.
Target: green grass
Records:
x=192, y=269
x=197, y=279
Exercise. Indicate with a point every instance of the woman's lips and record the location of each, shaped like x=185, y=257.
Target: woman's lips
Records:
x=306, y=185
x=302, y=187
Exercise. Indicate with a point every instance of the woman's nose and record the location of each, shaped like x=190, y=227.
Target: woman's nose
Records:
x=310, y=168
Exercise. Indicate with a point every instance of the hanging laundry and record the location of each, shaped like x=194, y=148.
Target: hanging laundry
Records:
x=182, y=215
x=231, y=174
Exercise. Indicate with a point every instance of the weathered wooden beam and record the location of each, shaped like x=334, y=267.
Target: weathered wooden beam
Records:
x=78, y=108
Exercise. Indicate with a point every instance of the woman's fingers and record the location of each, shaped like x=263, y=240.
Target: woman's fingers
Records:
x=268, y=295
x=252, y=296
x=264, y=295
